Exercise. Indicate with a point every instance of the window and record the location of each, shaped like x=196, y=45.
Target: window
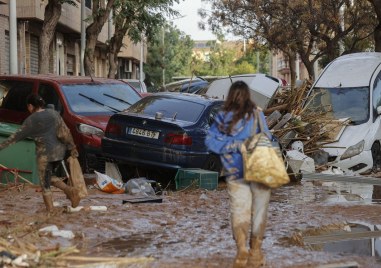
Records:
x=15, y=93
x=376, y=95
x=50, y=96
x=88, y=3
x=169, y=108
x=213, y=112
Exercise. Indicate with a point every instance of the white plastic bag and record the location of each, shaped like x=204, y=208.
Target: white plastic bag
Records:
x=140, y=186
x=108, y=184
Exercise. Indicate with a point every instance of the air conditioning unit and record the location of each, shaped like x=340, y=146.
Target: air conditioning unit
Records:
x=128, y=66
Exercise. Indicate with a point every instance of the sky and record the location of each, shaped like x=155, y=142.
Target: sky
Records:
x=189, y=23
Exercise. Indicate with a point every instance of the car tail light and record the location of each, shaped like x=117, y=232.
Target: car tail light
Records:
x=178, y=139
x=113, y=130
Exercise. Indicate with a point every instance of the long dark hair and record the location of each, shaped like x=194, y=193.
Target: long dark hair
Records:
x=239, y=102
x=36, y=101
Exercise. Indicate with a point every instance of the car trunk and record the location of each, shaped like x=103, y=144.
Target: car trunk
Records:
x=148, y=130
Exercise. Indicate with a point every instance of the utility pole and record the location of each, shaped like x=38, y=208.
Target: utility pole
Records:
x=12, y=37
x=163, y=57
x=83, y=37
x=141, y=78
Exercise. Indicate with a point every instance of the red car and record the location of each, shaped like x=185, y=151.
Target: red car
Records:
x=84, y=103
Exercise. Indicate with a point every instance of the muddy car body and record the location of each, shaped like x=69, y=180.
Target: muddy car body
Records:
x=84, y=103
x=350, y=88
x=165, y=130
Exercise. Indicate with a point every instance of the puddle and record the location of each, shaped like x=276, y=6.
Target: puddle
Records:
x=353, y=239
x=331, y=193
x=124, y=245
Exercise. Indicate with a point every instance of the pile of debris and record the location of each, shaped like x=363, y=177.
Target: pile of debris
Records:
x=302, y=132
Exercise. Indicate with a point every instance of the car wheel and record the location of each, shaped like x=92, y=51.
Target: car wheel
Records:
x=376, y=155
x=213, y=163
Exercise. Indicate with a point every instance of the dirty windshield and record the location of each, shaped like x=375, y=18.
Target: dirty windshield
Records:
x=99, y=98
x=169, y=107
x=341, y=102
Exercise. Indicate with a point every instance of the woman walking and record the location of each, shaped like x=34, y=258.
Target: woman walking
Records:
x=52, y=138
x=248, y=200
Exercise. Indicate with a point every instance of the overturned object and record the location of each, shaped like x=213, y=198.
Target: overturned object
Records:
x=300, y=162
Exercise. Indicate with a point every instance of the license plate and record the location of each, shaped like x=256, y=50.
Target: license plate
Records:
x=144, y=133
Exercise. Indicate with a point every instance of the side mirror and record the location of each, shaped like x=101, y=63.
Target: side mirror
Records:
x=378, y=110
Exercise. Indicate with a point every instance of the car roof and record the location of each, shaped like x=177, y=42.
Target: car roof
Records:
x=351, y=70
x=186, y=96
x=62, y=79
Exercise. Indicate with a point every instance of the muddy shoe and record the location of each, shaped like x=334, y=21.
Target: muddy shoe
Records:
x=256, y=259
x=73, y=195
x=48, y=200
x=241, y=259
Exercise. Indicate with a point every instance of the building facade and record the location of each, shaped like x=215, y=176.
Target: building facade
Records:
x=64, y=54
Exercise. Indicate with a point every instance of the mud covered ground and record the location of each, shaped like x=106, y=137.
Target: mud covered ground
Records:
x=188, y=229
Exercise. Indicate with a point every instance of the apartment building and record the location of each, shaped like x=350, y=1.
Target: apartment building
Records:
x=66, y=47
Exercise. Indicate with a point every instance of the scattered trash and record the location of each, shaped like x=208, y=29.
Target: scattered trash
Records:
x=63, y=233
x=79, y=208
x=142, y=199
x=54, y=231
x=112, y=170
x=299, y=162
x=140, y=186
x=108, y=184
x=203, y=196
x=49, y=229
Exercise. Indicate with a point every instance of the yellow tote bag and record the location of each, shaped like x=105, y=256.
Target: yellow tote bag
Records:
x=262, y=162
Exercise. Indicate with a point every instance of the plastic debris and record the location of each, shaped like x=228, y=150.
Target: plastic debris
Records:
x=108, y=184
x=140, y=186
x=49, y=229
x=63, y=233
x=79, y=208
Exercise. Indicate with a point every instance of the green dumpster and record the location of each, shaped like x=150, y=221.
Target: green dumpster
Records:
x=19, y=157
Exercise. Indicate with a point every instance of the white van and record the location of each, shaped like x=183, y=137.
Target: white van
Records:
x=350, y=87
x=262, y=86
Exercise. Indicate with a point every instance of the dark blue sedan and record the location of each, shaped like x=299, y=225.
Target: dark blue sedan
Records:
x=165, y=130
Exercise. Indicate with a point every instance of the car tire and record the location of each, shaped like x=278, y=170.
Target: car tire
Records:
x=213, y=163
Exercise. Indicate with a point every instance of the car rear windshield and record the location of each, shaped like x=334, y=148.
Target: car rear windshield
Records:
x=95, y=98
x=169, y=107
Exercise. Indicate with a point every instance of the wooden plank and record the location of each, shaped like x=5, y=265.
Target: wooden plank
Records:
x=283, y=121
x=273, y=119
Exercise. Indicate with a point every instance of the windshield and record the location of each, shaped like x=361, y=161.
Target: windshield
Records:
x=86, y=99
x=136, y=85
x=169, y=107
x=341, y=102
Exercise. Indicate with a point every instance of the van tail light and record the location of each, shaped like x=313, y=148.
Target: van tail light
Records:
x=113, y=130
x=178, y=139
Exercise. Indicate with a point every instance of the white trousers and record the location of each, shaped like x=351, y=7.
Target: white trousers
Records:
x=248, y=205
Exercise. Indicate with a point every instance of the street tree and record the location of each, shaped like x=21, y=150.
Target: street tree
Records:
x=169, y=54
x=52, y=15
x=377, y=31
x=135, y=18
x=219, y=60
x=308, y=28
x=100, y=14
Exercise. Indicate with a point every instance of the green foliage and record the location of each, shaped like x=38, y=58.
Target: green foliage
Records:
x=171, y=53
x=243, y=68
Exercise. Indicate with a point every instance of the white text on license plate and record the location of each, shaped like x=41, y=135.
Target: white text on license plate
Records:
x=144, y=133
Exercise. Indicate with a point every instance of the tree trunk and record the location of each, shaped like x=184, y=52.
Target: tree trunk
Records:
x=113, y=59
x=377, y=38
x=377, y=31
x=51, y=17
x=100, y=16
x=116, y=43
x=291, y=62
